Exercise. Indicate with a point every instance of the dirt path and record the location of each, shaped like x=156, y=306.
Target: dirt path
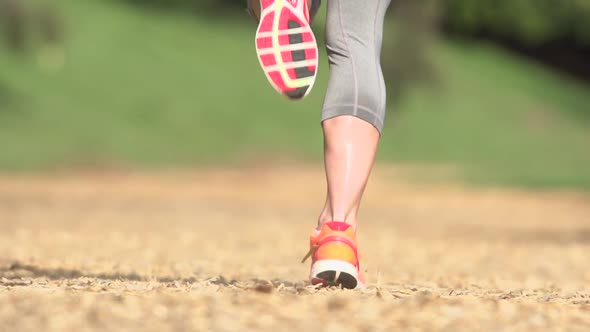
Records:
x=185, y=251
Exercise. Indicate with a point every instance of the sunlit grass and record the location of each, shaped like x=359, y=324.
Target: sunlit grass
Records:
x=157, y=89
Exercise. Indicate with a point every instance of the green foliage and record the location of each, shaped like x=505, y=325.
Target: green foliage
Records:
x=151, y=88
x=529, y=21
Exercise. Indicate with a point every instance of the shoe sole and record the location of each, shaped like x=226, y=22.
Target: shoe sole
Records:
x=334, y=273
x=287, y=48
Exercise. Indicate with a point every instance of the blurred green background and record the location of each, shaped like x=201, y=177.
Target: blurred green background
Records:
x=497, y=91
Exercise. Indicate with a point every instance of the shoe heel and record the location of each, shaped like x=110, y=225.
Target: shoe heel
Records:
x=334, y=272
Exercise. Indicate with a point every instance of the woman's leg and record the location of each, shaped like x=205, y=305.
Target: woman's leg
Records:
x=352, y=120
x=350, y=147
x=354, y=108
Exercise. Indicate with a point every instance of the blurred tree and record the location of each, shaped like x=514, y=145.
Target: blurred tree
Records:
x=532, y=22
x=555, y=32
x=528, y=21
x=13, y=22
x=406, y=50
x=22, y=22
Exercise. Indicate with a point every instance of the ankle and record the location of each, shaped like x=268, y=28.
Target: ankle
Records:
x=327, y=219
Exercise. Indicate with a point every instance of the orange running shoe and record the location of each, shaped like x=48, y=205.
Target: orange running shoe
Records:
x=334, y=255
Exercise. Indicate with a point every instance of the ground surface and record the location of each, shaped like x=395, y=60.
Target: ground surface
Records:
x=189, y=251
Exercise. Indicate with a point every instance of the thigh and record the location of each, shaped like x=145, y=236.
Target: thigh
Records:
x=354, y=34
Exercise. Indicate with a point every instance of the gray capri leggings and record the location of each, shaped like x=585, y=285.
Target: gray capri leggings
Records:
x=354, y=34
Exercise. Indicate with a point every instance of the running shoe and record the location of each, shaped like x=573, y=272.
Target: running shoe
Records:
x=285, y=44
x=254, y=8
x=334, y=254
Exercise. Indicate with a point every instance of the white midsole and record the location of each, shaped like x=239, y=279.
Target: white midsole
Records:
x=333, y=265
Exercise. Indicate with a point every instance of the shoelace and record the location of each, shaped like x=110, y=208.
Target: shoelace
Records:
x=311, y=251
